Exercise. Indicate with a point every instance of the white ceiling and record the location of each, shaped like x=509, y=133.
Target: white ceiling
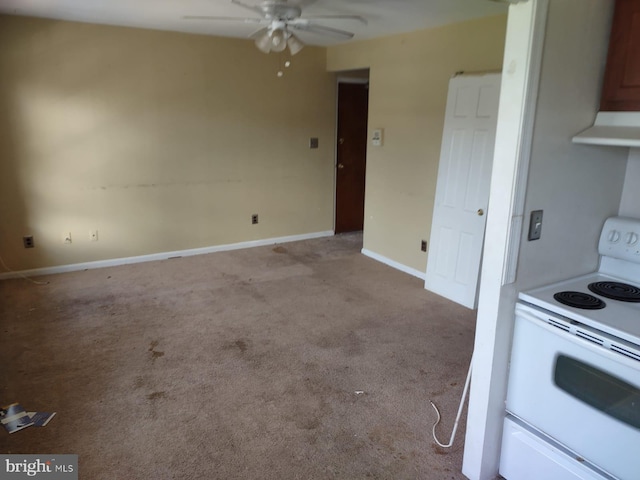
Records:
x=384, y=17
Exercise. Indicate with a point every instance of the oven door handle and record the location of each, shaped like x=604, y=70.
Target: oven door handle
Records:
x=540, y=320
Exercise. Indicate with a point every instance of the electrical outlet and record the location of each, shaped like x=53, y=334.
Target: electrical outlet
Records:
x=27, y=240
x=93, y=235
x=66, y=238
x=423, y=245
x=254, y=219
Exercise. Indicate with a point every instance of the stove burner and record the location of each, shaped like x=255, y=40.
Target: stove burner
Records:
x=579, y=300
x=616, y=291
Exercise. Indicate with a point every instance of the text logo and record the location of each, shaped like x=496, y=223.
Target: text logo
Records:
x=45, y=467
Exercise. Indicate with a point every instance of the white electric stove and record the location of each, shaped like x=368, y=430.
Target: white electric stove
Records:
x=620, y=318
x=573, y=403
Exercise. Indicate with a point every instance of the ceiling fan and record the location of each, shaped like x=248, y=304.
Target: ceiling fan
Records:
x=281, y=18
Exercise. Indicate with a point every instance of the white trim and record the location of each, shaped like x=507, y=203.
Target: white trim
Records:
x=527, y=120
x=343, y=77
x=524, y=41
x=393, y=264
x=163, y=255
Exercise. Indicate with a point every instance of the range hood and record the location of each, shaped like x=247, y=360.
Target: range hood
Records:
x=619, y=129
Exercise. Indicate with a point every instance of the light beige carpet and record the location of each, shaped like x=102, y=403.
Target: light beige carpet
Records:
x=305, y=360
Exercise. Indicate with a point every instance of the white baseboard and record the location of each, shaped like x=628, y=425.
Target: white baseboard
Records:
x=162, y=256
x=394, y=264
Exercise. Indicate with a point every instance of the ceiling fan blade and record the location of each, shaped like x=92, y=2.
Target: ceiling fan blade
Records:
x=357, y=18
x=253, y=8
x=259, y=32
x=233, y=19
x=300, y=3
x=310, y=27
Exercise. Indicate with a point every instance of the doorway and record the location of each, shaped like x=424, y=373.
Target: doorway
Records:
x=351, y=152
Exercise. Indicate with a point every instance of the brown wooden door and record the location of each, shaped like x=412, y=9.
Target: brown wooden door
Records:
x=353, y=101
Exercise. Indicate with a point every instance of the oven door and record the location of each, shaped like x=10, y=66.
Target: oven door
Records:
x=581, y=394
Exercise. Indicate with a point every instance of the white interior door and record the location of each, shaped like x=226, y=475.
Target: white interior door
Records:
x=462, y=191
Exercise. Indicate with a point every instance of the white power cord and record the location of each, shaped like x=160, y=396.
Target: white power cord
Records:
x=21, y=275
x=455, y=425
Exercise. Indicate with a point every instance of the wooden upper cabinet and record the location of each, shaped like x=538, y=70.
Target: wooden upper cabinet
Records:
x=621, y=89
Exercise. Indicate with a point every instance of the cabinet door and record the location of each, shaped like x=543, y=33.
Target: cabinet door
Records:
x=621, y=90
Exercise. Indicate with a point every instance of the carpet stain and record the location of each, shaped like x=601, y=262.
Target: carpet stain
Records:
x=309, y=424
x=348, y=343
x=155, y=354
x=140, y=382
x=382, y=438
x=156, y=396
x=439, y=450
x=391, y=439
x=239, y=344
x=280, y=250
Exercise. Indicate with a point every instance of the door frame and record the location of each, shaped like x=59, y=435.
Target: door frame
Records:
x=343, y=78
x=522, y=65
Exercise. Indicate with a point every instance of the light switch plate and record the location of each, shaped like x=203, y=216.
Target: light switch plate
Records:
x=376, y=137
x=535, y=225
x=313, y=142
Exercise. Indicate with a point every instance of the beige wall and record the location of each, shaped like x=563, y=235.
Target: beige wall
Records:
x=409, y=77
x=160, y=141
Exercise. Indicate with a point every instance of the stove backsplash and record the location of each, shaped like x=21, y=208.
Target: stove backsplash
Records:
x=630, y=201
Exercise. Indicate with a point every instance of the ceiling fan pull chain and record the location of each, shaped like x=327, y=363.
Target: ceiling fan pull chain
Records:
x=280, y=72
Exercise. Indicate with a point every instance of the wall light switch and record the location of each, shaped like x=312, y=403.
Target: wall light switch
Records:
x=66, y=238
x=535, y=225
x=313, y=142
x=376, y=137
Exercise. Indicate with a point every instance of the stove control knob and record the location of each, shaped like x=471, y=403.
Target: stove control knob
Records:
x=614, y=236
x=631, y=238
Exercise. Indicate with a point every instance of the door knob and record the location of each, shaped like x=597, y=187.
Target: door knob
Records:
x=341, y=141
x=340, y=166
x=480, y=212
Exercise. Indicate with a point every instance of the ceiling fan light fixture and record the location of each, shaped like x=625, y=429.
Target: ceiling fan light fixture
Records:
x=295, y=44
x=278, y=41
x=263, y=42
